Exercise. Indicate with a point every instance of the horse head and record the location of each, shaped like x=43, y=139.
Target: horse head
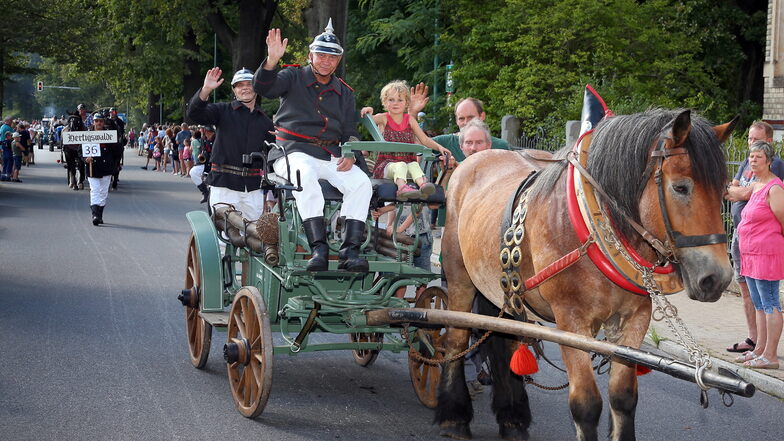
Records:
x=75, y=123
x=681, y=201
x=666, y=170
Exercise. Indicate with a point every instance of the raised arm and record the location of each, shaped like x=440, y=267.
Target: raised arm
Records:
x=211, y=82
x=418, y=99
x=276, y=47
x=267, y=81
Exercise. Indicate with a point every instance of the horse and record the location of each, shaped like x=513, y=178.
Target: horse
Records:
x=678, y=208
x=73, y=154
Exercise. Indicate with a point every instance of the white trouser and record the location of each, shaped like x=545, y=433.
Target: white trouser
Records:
x=250, y=203
x=99, y=190
x=354, y=184
x=196, y=172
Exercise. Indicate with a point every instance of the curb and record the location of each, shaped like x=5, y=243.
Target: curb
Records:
x=764, y=383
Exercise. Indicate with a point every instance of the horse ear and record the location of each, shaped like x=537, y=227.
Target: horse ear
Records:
x=723, y=131
x=681, y=127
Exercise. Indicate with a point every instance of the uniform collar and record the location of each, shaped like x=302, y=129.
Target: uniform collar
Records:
x=236, y=104
x=310, y=80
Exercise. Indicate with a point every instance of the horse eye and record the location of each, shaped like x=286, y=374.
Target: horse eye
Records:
x=681, y=189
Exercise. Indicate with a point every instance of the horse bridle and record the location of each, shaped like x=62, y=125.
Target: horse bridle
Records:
x=674, y=239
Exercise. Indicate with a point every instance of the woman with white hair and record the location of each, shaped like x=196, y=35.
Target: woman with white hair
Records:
x=761, y=235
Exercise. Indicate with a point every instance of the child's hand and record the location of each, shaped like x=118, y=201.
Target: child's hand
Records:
x=418, y=99
x=365, y=111
x=374, y=214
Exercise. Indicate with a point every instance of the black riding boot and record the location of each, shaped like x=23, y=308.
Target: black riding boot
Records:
x=96, y=216
x=100, y=214
x=316, y=232
x=205, y=192
x=349, y=259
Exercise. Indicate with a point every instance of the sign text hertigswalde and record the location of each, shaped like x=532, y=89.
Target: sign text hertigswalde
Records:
x=91, y=137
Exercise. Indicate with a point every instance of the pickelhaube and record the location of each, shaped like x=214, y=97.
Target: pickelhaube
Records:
x=327, y=43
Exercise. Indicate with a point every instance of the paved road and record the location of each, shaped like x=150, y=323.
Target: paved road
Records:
x=92, y=344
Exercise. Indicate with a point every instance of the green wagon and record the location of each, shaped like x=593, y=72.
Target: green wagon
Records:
x=249, y=279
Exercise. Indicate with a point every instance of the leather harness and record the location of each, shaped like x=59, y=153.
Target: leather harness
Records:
x=591, y=212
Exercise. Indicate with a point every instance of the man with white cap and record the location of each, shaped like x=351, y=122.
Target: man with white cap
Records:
x=99, y=172
x=241, y=128
x=317, y=113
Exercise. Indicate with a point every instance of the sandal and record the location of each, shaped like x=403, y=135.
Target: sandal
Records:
x=408, y=192
x=761, y=363
x=749, y=345
x=427, y=189
x=746, y=356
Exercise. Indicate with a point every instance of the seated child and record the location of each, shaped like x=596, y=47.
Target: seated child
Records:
x=397, y=126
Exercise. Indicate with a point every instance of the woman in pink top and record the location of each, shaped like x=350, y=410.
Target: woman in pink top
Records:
x=762, y=255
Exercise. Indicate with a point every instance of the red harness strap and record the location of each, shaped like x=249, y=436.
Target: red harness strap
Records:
x=310, y=139
x=555, y=267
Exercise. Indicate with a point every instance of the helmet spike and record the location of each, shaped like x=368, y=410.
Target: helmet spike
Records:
x=329, y=29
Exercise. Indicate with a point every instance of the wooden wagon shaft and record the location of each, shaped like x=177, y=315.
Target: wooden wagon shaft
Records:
x=723, y=380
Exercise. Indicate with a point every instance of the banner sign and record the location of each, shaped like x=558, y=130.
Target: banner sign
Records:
x=92, y=137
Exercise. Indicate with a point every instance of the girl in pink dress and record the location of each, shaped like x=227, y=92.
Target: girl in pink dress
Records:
x=761, y=236
x=397, y=126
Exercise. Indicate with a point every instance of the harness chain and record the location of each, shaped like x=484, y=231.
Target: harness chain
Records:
x=664, y=309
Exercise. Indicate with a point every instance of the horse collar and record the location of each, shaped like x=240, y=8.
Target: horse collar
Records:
x=610, y=250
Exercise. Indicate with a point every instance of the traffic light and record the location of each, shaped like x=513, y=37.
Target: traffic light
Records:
x=40, y=86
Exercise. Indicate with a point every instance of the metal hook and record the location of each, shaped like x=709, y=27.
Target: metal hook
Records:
x=704, y=399
x=727, y=398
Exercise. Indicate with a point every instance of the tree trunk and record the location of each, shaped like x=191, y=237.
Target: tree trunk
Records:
x=193, y=78
x=153, y=108
x=248, y=44
x=317, y=17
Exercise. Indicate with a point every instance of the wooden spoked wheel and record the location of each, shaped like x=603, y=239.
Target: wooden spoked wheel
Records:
x=199, y=331
x=424, y=376
x=248, y=352
x=365, y=357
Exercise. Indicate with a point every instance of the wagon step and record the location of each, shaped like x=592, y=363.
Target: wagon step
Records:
x=216, y=319
x=723, y=380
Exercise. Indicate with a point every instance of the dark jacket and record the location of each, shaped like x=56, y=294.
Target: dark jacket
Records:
x=313, y=118
x=103, y=165
x=238, y=131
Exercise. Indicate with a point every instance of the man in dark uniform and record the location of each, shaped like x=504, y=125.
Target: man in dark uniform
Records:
x=317, y=113
x=241, y=128
x=99, y=173
x=116, y=123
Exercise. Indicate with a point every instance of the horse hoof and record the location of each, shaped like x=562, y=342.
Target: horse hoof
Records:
x=455, y=430
x=513, y=432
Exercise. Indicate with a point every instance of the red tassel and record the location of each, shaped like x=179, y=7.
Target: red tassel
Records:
x=642, y=370
x=523, y=361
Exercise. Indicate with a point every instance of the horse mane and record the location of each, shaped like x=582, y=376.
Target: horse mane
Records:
x=620, y=151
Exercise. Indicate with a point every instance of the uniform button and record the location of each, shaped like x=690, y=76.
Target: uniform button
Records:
x=326, y=119
x=321, y=98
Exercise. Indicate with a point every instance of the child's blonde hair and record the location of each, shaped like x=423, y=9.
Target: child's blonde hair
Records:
x=397, y=86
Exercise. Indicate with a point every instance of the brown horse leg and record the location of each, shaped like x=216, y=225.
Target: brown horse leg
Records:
x=510, y=400
x=585, y=402
x=454, y=410
x=623, y=379
x=623, y=402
